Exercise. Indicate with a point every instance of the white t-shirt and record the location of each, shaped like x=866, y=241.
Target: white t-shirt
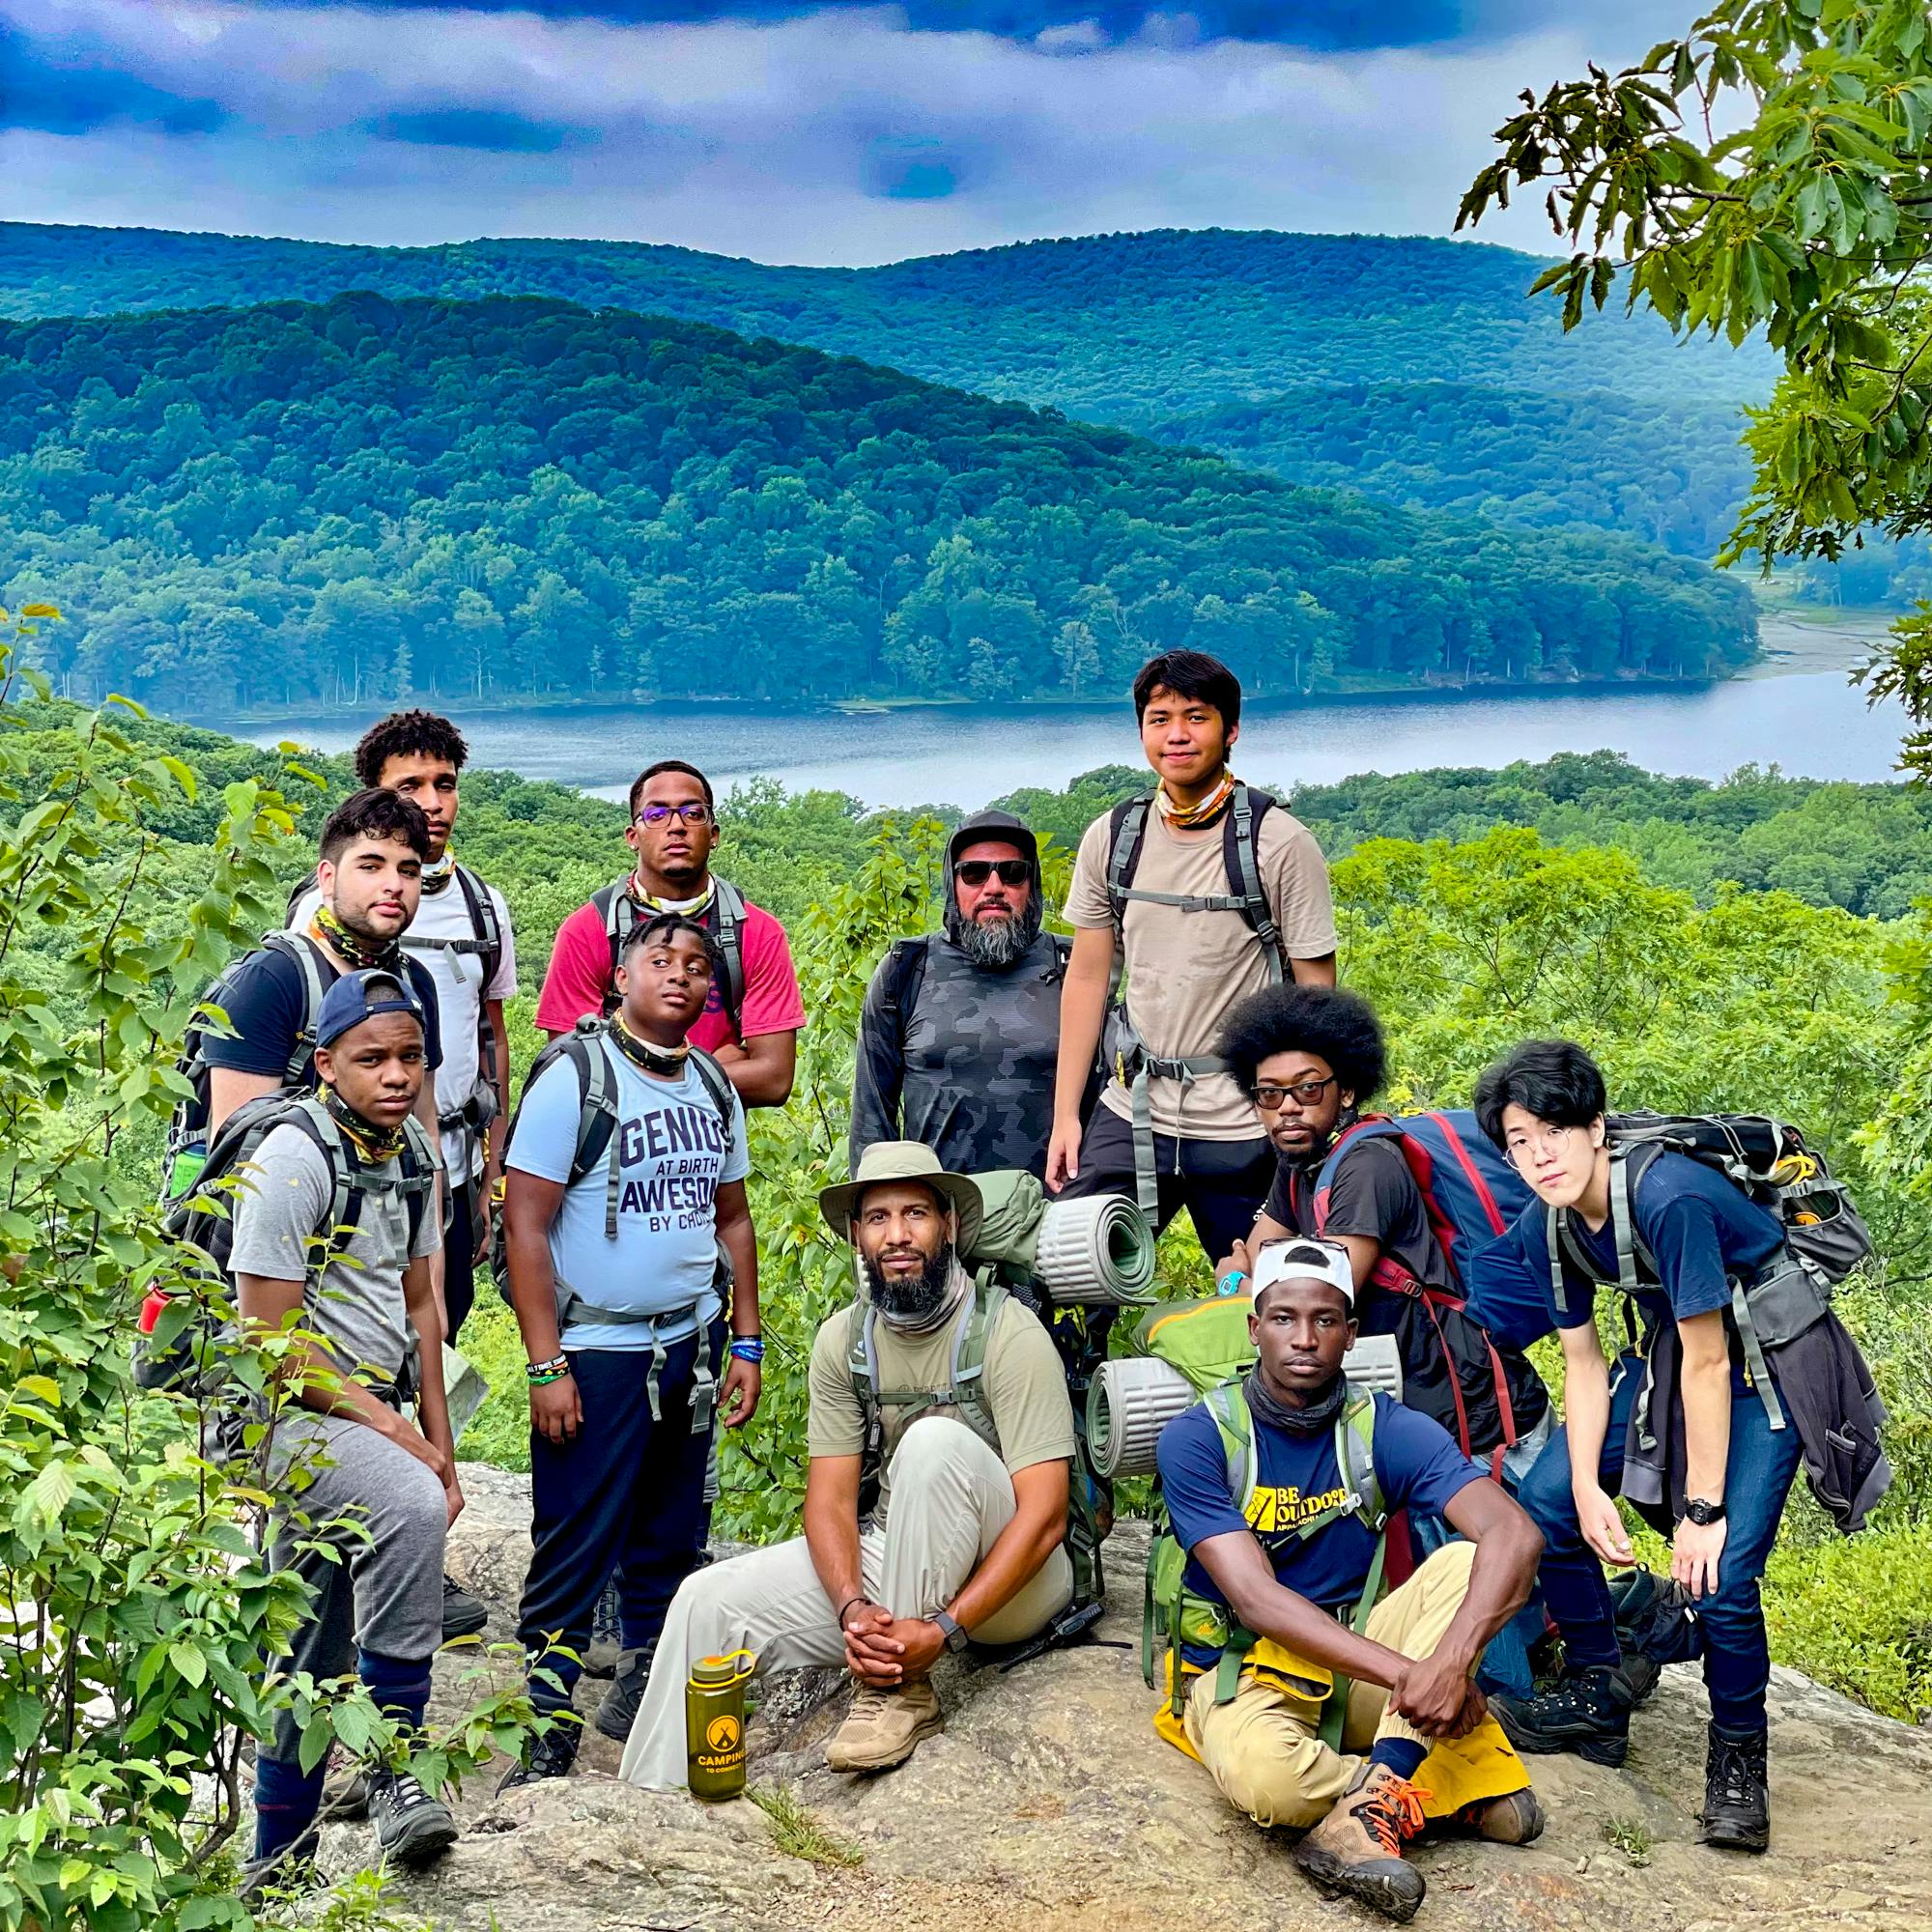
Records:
x=672, y=1159
x=460, y=994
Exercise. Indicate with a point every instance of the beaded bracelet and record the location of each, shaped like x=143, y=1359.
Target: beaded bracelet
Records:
x=553, y=1370
x=749, y=1347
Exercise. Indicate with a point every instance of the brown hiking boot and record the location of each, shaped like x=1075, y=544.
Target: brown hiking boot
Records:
x=884, y=1727
x=1357, y=1848
x=1516, y=1818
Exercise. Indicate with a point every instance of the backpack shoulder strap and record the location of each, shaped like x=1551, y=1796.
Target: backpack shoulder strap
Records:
x=1240, y=829
x=1356, y=1456
x=419, y=1165
x=484, y=923
x=1364, y=1127
x=902, y=973
x=969, y=1360
x=307, y=1115
x=305, y=885
x=618, y=912
x=1063, y=952
x=716, y=1083
x=1229, y=1408
x=728, y=929
x=308, y=957
x=1127, y=834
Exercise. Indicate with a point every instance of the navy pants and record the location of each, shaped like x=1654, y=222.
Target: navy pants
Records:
x=1727, y=1629
x=627, y=1493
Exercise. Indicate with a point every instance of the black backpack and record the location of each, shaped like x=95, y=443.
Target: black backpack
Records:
x=724, y=919
x=177, y=1354
x=188, y=1126
x=1240, y=834
x=598, y=1142
x=904, y=974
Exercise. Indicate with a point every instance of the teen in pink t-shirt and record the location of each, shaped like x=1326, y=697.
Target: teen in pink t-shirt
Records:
x=672, y=832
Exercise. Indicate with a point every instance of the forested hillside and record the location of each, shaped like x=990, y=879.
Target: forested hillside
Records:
x=1411, y=369
x=289, y=504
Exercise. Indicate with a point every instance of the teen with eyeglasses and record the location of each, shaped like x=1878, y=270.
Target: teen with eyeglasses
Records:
x=960, y=1030
x=750, y=1024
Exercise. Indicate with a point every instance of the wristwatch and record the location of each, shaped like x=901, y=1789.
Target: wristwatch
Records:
x=1701, y=1513
x=955, y=1638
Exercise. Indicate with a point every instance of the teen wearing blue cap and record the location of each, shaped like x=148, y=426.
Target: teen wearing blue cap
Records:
x=343, y=1441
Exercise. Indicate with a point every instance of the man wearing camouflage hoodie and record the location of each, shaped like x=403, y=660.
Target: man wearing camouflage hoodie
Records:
x=960, y=1029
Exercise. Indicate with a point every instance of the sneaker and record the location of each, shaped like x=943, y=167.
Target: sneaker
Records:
x=1514, y=1819
x=345, y=1797
x=1737, y=1793
x=412, y=1829
x=1581, y=1714
x=1357, y=1848
x=549, y=1755
x=884, y=1727
x=619, y=1708
x=462, y=1616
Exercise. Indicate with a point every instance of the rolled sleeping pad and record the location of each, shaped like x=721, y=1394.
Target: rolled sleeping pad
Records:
x=1131, y=1399
x=1099, y=1250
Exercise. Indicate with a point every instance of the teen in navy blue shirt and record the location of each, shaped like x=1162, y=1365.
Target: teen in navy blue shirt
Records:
x=1695, y=1235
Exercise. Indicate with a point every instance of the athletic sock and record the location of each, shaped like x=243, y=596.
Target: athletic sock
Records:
x=287, y=1799
x=399, y=1685
x=1402, y=1755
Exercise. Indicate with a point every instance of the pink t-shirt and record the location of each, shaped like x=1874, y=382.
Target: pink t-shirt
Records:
x=579, y=976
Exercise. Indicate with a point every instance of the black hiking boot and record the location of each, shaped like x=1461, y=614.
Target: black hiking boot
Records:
x=1582, y=1714
x=1737, y=1793
x=462, y=1616
x=1652, y=1615
x=607, y=1643
x=412, y=1829
x=619, y=1708
x=549, y=1755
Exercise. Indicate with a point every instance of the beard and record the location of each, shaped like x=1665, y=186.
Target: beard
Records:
x=995, y=944
x=915, y=1298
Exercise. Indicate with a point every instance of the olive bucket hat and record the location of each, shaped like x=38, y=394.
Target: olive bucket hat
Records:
x=904, y=1160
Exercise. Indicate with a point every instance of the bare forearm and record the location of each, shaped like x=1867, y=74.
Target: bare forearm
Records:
x=1499, y=1584
x=1706, y=1387
x=741, y=1244
x=533, y=1292
x=1586, y=1410
x=832, y=1537
x=1083, y=1007
x=431, y=1399
x=1296, y=1624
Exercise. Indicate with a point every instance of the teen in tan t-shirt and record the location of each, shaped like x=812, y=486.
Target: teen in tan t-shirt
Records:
x=1185, y=968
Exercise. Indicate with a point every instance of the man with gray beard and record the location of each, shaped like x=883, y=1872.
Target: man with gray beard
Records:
x=960, y=1033
x=940, y=1438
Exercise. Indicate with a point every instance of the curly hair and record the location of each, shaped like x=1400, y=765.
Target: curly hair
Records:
x=378, y=814
x=407, y=734
x=1338, y=1025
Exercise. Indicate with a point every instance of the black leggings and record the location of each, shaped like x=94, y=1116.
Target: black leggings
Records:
x=460, y=1258
x=1221, y=1183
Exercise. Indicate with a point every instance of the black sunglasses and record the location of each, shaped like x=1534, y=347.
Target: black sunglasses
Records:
x=976, y=872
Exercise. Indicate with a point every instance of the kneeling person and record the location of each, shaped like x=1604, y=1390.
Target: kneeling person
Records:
x=972, y=1488
x=348, y=1452
x=1280, y=1571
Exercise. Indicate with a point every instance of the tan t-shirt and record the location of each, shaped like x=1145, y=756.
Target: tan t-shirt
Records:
x=1184, y=970
x=1025, y=1385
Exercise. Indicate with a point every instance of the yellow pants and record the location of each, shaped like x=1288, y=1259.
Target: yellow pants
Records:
x=1264, y=1747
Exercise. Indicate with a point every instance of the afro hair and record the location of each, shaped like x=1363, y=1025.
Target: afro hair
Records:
x=1340, y=1027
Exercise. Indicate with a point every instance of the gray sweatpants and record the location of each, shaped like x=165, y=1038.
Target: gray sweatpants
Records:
x=951, y=1498
x=387, y=1592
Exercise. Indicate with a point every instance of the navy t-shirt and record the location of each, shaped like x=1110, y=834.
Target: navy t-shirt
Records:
x=264, y=1003
x=1417, y=1464
x=1702, y=1231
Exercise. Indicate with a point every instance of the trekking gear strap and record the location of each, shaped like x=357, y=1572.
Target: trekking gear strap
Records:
x=1146, y=1176
x=1760, y=1370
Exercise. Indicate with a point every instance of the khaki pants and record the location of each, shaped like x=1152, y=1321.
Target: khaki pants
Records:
x=951, y=1498
x=1263, y=1749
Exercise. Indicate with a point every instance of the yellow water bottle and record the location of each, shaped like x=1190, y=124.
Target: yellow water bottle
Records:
x=714, y=1725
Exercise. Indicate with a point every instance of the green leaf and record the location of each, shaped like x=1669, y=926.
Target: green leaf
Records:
x=189, y=1662
x=51, y=1491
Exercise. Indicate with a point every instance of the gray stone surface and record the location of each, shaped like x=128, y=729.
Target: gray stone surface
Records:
x=1049, y=1803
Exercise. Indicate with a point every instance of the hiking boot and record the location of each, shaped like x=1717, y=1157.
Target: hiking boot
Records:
x=345, y=1797
x=1581, y=1714
x=1737, y=1793
x=462, y=1616
x=1633, y=1679
x=607, y=1644
x=1514, y=1819
x=883, y=1727
x=1357, y=1848
x=619, y=1708
x=412, y=1829
x=549, y=1755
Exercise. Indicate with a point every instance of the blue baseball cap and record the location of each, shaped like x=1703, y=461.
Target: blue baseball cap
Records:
x=360, y=996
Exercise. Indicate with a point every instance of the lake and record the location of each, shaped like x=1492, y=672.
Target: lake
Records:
x=1812, y=723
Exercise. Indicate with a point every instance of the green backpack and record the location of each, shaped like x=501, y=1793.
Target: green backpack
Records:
x=1174, y=1616
x=1206, y=1341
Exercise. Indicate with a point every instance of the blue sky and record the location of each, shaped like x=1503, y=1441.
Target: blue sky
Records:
x=782, y=129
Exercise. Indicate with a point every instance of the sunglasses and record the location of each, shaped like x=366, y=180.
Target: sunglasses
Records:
x=1307, y=1093
x=694, y=812
x=976, y=872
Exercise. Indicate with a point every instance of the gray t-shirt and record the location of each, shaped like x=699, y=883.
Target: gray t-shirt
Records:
x=356, y=1307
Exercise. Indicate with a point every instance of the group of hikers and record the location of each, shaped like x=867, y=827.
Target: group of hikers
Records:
x=1357, y=1581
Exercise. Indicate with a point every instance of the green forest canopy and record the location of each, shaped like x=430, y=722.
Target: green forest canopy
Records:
x=1413, y=369
x=277, y=505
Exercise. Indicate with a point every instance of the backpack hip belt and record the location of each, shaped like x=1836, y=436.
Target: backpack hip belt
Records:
x=571, y=1307
x=1149, y=1068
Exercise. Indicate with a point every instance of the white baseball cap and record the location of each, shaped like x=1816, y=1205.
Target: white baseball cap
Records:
x=1299, y=1257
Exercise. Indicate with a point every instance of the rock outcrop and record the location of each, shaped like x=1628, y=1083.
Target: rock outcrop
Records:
x=1048, y=1802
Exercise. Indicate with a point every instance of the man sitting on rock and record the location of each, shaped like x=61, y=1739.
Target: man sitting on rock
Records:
x=971, y=1481
x=1277, y=1561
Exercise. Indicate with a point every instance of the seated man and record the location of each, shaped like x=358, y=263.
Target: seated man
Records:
x=1267, y=1572
x=344, y=1445
x=972, y=1487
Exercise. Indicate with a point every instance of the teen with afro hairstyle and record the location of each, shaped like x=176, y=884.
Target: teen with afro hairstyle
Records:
x=1309, y=1059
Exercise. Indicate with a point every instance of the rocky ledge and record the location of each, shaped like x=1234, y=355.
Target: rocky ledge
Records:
x=1048, y=1802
